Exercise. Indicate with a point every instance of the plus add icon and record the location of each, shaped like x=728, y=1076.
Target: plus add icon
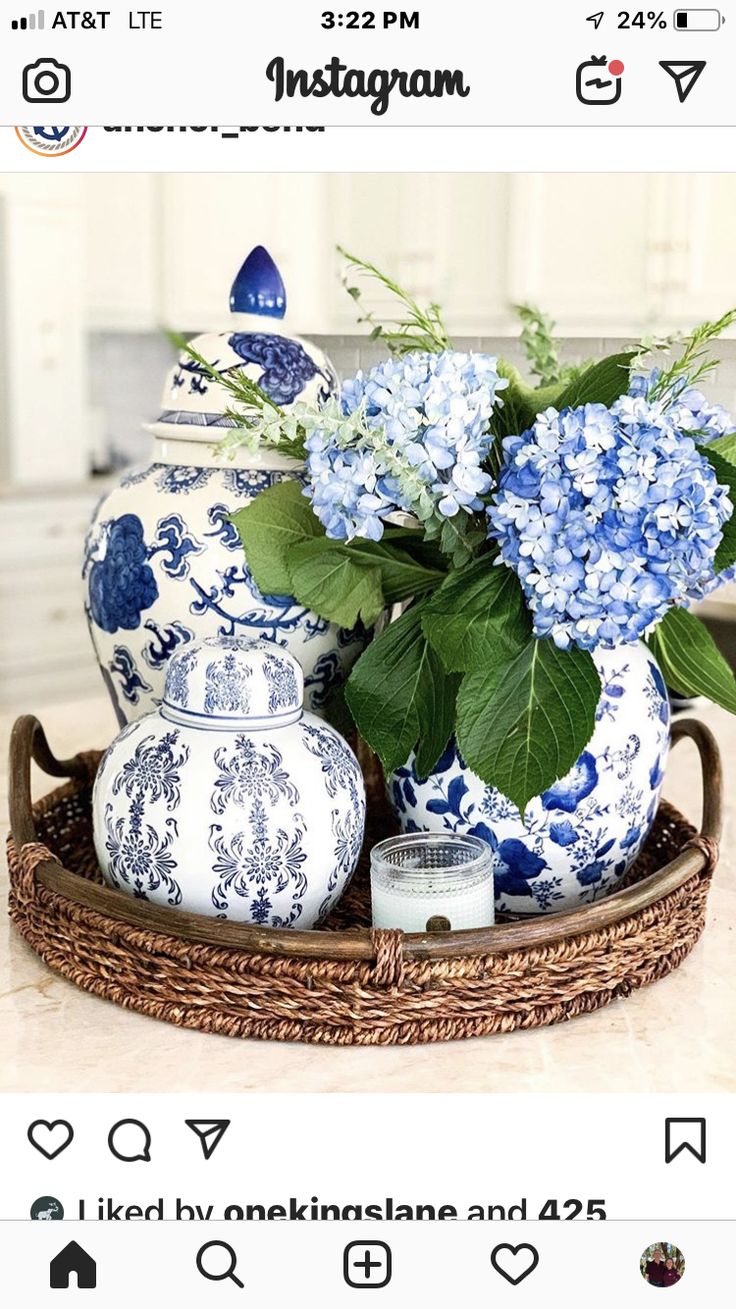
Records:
x=366, y=1265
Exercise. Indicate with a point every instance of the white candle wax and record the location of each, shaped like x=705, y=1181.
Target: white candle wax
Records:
x=410, y=905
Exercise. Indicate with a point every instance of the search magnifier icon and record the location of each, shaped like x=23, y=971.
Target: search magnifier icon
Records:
x=220, y=1272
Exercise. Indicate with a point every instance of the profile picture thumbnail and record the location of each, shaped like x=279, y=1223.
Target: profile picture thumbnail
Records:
x=662, y=1264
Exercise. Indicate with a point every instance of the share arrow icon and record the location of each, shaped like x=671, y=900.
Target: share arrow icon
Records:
x=596, y=19
x=684, y=75
x=210, y=1132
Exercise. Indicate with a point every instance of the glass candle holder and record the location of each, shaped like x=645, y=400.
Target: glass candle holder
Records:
x=432, y=882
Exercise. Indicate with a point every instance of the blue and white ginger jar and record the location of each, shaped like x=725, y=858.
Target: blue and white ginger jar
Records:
x=579, y=838
x=163, y=567
x=229, y=800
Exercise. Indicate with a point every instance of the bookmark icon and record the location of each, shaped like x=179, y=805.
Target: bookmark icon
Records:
x=684, y=1134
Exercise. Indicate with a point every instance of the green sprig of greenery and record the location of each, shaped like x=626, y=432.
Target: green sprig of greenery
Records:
x=413, y=328
x=257, y=419
x=540, y=347
x=695, y=362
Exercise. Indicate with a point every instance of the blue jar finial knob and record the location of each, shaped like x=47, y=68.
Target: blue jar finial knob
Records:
x=258, y=287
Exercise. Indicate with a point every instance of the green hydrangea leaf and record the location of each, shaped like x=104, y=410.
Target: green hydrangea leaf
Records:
x=278, y=518
x=726, y=474
x=602, y=383
x=477, y=616
x=335, y=583
x=436, y=713
x=725, y=446
x=391, y=693
x=690, y=660
x=402, y=575
x=523, y=723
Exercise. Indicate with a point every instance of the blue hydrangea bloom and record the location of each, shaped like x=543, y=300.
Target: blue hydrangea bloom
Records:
x=608, y=517
x=430, y=414
x=689, y=411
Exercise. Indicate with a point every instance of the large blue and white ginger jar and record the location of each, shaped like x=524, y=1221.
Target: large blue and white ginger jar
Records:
x=163, y=566
x=230, y=800
x=578, y=839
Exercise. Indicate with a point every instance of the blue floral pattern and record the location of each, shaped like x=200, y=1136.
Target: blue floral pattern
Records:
x=123, y=666
x=139, y=854
x=577, y=840
x=248, y=773
x=262, y=863
x=229, y=823
x=174, y=573
x=178, y=479
x=339, y=766
x=177, y=679
x=286, y=365
x=121, y=583
x=164, y=641
x=175, y=544
x=226, y=691
x=283, y=692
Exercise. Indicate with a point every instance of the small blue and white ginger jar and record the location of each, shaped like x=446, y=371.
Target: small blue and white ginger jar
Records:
x=230, y=800
x=578, y=839
x=163, y=565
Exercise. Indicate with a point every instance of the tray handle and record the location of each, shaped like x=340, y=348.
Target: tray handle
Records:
x=28, y=744
x=711, y=826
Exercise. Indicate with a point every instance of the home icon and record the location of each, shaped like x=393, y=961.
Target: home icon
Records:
x=73, y=1260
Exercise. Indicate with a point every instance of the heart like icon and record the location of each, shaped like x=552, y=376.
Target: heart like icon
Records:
x=50, y=1138
x=519, y=1261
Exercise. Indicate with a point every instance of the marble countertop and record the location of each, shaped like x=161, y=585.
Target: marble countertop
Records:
x=676, y=1035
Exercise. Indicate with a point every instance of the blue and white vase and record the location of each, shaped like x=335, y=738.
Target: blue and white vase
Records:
x=163, y=567
x=229, y=800
x=579, y=838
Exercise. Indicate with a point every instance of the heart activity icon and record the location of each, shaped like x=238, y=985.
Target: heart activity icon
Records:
x=514, y=1262
x=50, y=1138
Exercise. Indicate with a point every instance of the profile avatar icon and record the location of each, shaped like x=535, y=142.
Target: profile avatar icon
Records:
x=662, y=1264
x=47, y=1209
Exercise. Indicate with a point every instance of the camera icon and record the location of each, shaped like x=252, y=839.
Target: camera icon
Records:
x=47, y=82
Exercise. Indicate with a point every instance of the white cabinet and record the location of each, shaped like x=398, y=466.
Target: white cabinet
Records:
x=580, y=248
x=122, y=239
x=442, y=236
x=43, y=434
x=605, y=254
x=699, y=247
x=624, y=254
x=45, y=647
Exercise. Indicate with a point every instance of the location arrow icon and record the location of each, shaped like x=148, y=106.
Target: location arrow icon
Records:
x=210, y=1132
x=684, y=74
x=597, y=19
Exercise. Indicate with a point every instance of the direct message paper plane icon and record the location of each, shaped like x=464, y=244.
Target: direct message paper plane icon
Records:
x=684, y=75
x=210, y=1132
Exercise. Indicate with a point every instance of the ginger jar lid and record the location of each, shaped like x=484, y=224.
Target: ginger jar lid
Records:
x=230, y=682
x=288, y=368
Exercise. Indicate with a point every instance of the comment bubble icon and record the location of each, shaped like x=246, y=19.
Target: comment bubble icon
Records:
x=130, y=1141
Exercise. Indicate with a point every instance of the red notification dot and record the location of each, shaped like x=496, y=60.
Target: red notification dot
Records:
x=615, y=68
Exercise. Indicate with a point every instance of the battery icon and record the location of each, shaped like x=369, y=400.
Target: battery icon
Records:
x=698, y=20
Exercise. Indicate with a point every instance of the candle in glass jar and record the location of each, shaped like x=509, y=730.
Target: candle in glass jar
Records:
x=432, y=881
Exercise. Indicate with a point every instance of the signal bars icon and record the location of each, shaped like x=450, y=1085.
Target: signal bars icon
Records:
x=32, y=23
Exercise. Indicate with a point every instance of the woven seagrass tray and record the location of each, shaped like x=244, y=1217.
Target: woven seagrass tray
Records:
x=346, y=984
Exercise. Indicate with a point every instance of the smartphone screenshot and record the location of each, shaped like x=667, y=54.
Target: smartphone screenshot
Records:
x=367, y=650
